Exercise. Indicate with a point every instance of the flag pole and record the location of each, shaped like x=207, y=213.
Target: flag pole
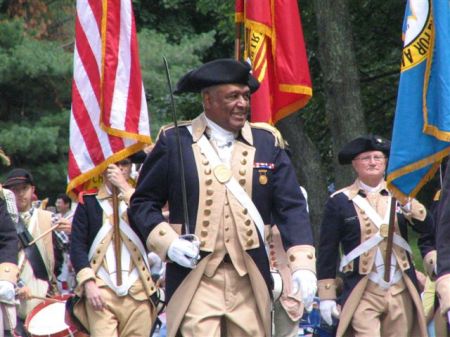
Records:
x=116, y=229
x=237, y=41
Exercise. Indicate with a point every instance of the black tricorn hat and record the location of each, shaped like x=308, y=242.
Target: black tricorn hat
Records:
x=18, y=176
x=363, y=144
x=220, y=71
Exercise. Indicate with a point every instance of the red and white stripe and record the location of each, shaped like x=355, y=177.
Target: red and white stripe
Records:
x=109, y=118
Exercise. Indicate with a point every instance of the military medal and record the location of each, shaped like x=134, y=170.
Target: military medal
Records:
x=222, y=173
x=262, y=169
x=263, y=177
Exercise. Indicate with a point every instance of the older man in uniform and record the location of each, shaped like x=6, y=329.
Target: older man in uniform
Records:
x=238, y=179
x=356, y=218
x=108, y=308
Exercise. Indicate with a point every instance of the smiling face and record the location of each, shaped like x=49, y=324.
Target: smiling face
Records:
x=370, y=167
x=227, y=105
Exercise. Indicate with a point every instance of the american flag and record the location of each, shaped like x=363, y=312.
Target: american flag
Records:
x=109, y=119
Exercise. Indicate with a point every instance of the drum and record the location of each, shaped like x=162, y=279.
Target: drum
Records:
x=48, y=319
x=277, y=285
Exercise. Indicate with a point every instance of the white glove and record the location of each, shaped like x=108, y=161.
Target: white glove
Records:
x=7, y=293
x=183, y=252
x=156, y=264
x=328, y=309
x=305, y=281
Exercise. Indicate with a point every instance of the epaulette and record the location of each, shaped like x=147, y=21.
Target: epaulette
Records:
x=339, y=191
x=166, y=127
x=279, y=141
x=84, y=193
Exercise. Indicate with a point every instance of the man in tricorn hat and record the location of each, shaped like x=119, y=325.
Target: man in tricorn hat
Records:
x=238, y=179
x=357, y=219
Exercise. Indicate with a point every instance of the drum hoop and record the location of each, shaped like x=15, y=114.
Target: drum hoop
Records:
x=70, y=330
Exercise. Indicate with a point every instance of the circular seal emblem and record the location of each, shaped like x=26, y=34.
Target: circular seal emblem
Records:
x=417, y=33
x=222, y=173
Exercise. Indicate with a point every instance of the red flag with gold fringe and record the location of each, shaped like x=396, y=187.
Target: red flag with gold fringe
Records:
x=275, y=47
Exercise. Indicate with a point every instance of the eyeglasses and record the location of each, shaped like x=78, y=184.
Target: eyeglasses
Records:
x=366, y=159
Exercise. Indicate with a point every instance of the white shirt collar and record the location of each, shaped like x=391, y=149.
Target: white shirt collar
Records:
x=370, y=189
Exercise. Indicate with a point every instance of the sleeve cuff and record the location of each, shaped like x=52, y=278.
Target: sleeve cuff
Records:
x=443, y=291
x=327, y=289
x=302, y=257
x=84, y=275
x=126, y=195
x=160, y=239
x=9, y=272
x=418, y=211
x=429, y=263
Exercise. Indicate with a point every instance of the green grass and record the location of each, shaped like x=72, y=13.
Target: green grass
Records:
x=412, y=239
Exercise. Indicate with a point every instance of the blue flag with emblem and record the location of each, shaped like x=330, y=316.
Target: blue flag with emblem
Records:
x=421, y=132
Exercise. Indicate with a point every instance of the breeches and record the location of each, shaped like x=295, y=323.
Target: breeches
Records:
x=123, y=316
x=384, y=315
x=224, y=302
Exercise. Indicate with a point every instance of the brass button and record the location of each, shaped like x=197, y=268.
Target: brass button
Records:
x=250, y=242
x=364, y=270
x=368, y=231
x=227, y=229
x=94, y=261
x=248, y=222
x=272, y=252
x=363, y=212
x=102, y=242
x=245, y=211
x=242, y=182
x=162, y=232
x=310, y=256
x=208, y=181
x=7, y=269
x=206, y=223
x=209, y=192
x=152, y=288
x=139, y=258
x=405, y=265
x=421, y=211
x=327, y=286
x=243, y=161
x=98, y=252
x=291, y=258
x=207, y=212
x=242, y=172
x=227, y=216
x=366, y=253
x=202, y=243
x=227, y=240
x=245, y=153
x=368, y=224
x=204, y=233
x=226, y=203
x=209, y=202
x=207, y=171
x=249, y=232
x=404, y=257
x=205, y=162
x=365, y=262
x=365, y=218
